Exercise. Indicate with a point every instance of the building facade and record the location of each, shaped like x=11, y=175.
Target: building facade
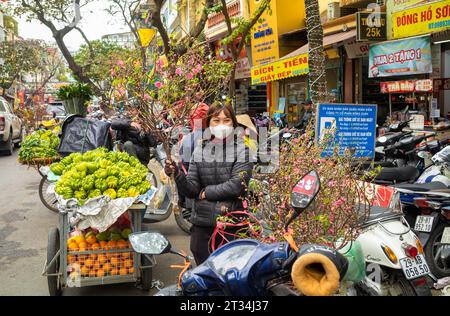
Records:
x=125, y=39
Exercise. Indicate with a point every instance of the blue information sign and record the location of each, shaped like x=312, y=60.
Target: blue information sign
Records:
x=355, y=126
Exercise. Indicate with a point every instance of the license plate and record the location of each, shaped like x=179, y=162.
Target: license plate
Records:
x=414, y=267
x=424, y=224
x=446, y=236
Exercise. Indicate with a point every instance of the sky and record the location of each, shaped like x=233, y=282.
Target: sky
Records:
x=95, y=23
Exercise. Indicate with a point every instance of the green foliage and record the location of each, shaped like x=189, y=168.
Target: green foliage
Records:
x=41, y=145
x=75, y=90
x=19, y=58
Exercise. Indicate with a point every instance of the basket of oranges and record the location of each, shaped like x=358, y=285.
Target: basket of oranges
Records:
x=92, y=256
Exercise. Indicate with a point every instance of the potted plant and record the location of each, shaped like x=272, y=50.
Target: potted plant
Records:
x=75, y=97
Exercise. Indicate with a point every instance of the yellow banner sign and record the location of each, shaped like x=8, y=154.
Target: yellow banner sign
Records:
x=282, y=69
x=425, y=19
x=264, y=40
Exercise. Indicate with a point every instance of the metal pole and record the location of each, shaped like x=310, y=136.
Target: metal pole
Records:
x=390, y=106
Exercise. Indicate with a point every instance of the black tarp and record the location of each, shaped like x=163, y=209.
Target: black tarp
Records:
x=80, y=134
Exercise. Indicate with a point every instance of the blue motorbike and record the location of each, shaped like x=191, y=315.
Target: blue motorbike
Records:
x=251, y=268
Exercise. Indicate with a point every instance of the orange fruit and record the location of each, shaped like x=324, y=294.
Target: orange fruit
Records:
x=115, y=271
x=107, y=267
x=73, y=246
x=82, y=258
x=123, y=271
x=89, y=263
x=92, y=274
x=128, y=263
x=71, y=259
x=100, y=273
x=112, y=244
x=115, y=261
x=122, y=244
x=103, y=245
x=126, y=255
x=95, y=246
x=131, y=270
x=93, y=256
x=83, y=245
x=97, y=265
x=84, y=271
x=102, y=258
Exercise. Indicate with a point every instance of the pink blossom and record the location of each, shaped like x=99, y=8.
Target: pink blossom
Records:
x=189, y=76
x=179, y=72
x=146, y=97
x=197, y=69
x=158, y=84
x=121, y=64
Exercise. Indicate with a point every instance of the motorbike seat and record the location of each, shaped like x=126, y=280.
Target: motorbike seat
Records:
x=399, y=174
x=372, y=164
x=423, y=187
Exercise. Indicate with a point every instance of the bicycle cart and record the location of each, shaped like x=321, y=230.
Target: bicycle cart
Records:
x=67, y=268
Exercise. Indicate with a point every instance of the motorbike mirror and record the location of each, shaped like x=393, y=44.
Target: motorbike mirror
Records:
x=424, y=154
x=382, y=139
x=305, y=191
x=302, y=195
x=149, y=243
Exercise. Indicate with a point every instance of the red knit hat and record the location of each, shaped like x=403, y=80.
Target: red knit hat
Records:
x=200, y=113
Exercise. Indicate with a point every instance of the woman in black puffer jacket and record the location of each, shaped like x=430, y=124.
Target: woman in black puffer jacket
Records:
x=219, y=172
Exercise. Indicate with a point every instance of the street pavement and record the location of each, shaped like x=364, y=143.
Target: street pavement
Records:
x=24, y=225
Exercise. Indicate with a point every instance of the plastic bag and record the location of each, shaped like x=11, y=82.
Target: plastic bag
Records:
x=356, y=264
x=160, y=196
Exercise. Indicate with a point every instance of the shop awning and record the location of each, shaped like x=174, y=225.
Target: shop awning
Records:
x=295, y=63
x=327, y=41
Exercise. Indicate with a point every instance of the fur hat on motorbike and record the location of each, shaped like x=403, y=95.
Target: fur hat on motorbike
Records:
x=318, y=270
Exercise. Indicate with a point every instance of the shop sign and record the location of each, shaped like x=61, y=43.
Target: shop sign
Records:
x=400, y=58
x=264, y=39
x=425, y=19
x=243, y=69
x=424, y=85
x=371, y=27
x=356, y=49
x=282, y=69
x=441, y=84
x=354, y=125
x=397, y=86
x=405, y=86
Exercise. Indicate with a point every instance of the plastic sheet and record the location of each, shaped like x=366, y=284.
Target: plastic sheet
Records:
x=82, y=135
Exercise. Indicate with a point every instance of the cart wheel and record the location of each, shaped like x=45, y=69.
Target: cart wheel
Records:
x=53, y=246
x=49, y=200
x=146, y=275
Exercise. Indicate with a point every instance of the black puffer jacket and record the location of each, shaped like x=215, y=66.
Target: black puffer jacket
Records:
x=222, y=172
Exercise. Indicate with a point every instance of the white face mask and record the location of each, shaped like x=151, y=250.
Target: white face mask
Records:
x=221, y=131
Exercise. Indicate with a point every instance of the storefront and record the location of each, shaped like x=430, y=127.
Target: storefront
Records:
x=410, y=18
x=398, y=71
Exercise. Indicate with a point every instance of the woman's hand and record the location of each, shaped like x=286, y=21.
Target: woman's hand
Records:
x=170, y=168
x=136, y=126
x=202, y=195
